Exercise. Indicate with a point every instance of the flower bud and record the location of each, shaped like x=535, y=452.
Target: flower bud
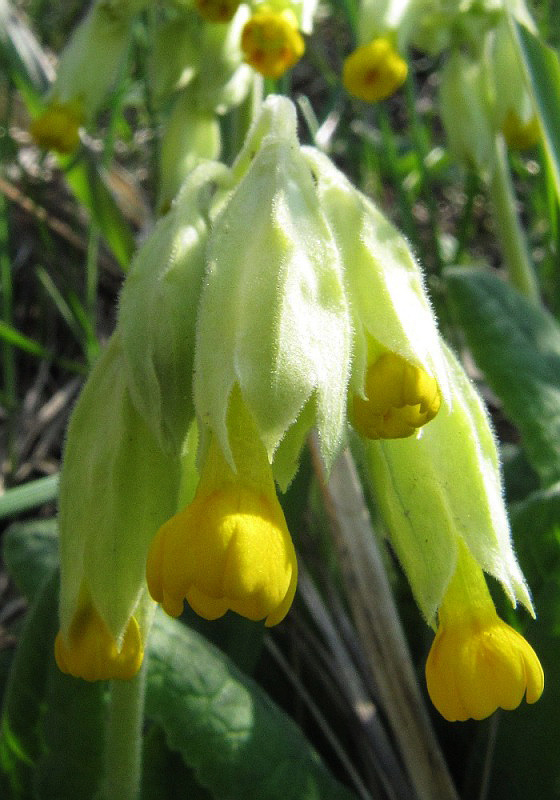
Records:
x=400, y=398
x=87, y=68
x=191, y=135
x=425, y=488
x=513, y=110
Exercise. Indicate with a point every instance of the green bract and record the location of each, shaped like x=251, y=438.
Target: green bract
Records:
x=444, y=486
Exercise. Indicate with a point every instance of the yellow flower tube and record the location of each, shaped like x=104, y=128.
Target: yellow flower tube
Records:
x=230, y=548
x=271, y=41
x=478, y=663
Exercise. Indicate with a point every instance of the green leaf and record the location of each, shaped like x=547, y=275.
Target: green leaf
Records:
x=31, y=553
x=517, y=345
x=238, y=742
x=20, y=743
x=536, y=529
x=542, y=70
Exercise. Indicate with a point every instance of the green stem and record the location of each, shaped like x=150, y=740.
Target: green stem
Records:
x=123, y=759
x=512, y=237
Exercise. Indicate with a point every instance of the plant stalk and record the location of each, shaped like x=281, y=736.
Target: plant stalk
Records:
x=511, y=235
x=123, y=757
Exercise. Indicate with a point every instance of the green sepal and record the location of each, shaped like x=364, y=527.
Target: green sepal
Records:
x=384, y=283
x=273, y=315
x=91, y=58
x=158, y=308
x=466, y=111
x=441, y=485
x=190, y=136
x=117, y=487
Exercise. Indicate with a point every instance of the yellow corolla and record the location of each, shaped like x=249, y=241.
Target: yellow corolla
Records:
x=374, y=71
x=478, y=663
x=229, y=549
x=400, y=398
x=271, y=42
x=91, y=652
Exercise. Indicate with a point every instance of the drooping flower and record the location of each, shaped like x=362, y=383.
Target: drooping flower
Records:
x=91, y=652
x=271, y=41
x=478, y=663
x=374, y=71
x=229, y=549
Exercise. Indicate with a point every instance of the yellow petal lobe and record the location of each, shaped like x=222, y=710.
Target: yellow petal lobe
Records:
x=374, y=71
x=271, y=42
x=478, y=663
x=91, y=652
x=229, y=549
x=400, y=398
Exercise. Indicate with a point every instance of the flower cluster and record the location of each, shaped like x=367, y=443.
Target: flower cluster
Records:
x=482, y=89
x=229, y=349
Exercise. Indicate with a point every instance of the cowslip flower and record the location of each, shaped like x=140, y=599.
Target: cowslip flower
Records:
x=445, y=542
x=271, y=41
x=374, y=71
x=230, y=548
x=348, y=322
x=478, y=663
x=86, y=71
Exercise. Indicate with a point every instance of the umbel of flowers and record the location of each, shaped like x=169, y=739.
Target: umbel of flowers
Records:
x=271, y=299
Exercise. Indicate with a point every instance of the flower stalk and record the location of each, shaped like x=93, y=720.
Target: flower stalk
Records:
x=123, y=755
x=508, y=229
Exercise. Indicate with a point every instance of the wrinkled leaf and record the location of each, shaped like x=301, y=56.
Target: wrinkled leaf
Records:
x=517, y=345
x=238, y=742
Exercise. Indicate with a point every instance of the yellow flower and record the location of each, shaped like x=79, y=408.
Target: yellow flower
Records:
x=229, y=549
x=217, y=10
x=271, y=42
x=58, y=127
x=90, y=651
x=400, y=398
x=374, y=71
x=478, y=663
x=518, y=134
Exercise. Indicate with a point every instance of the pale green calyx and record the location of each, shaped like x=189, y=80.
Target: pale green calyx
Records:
x=158, y=309
x=444, y=487
x=390, y=309
x=117, y=486
x=89, y=63
x=273, y=315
